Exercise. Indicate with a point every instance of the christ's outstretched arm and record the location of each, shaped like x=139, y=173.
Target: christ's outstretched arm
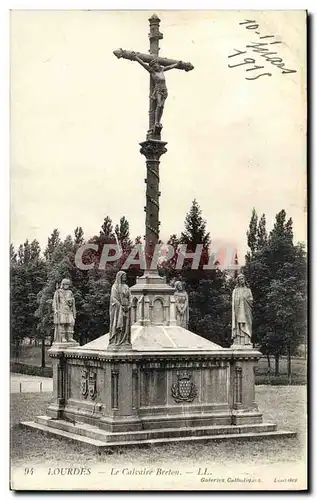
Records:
x=172, y=66
x=136, y=58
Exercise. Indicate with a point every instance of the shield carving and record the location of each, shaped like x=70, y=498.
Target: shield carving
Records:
x=184, y=386
x=92, y=384
x=184, y=391
x=84, y=383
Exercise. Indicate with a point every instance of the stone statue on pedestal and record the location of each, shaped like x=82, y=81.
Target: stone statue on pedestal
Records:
x=64, y=313
x=181, y=305
x=120, y=311
x=242, y=302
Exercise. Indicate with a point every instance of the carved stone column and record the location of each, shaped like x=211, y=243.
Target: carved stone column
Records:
x=57, y=404
x=154, y=36
x=56, y=352
x=121, y=408
x=244, y=408
x=172, y=311
x=152, y=150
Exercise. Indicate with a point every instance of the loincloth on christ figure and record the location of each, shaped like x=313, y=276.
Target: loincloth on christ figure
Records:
x=159, y=88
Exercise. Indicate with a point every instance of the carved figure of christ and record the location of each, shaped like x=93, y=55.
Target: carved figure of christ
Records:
x=159, y=94
x=156, y=66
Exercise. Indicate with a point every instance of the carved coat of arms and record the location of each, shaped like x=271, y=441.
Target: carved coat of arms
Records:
x=88, y=385
x=84, y=383
x=184, y=390
x=92, y=384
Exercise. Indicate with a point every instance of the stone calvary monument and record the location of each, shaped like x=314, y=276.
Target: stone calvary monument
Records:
x=151, y=380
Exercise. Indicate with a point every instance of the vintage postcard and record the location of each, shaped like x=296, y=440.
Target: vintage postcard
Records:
x=158, y=250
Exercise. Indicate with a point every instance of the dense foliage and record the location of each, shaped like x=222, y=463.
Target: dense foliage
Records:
x=275, y=269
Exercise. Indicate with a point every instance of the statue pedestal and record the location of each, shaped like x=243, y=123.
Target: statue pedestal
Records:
x=237, y=347
x=124, y=347
x=169, y=385
x=57, y=404
x=172, y=386
x=61, y=346
x=153, y=301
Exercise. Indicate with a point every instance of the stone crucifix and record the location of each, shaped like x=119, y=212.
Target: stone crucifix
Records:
x=153, y=147
x=156, y=66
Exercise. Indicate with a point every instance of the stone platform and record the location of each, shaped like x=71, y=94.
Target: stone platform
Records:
x=90, y=436
x=171, y=386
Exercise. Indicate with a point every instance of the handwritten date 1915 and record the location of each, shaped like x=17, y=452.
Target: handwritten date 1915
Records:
x=247, y=61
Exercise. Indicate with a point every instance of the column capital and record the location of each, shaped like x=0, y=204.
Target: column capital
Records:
x=153, y=149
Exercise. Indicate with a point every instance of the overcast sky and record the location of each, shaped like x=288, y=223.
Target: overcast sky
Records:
x=78, y=114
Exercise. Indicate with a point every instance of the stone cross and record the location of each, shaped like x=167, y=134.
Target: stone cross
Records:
x=163, y=64
x=153, y=147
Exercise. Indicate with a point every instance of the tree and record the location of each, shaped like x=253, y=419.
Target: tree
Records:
x=285, y=305
x=79, y=236
x=261, y=237
x=256, y=272
x=57, y=268
x=107, y=228
x=91, y=288
x=96, y=304
x=210, y=307
x=195, y=229
x=62, y=265
x=106, y=236
x=208, y=292
x=277, y=253
x=123, y=233
x=13, y=255
x=52, y=243
x=167, y=268
x=18, y=306
x=275, y=269
x=27, y=277
x=252, y=232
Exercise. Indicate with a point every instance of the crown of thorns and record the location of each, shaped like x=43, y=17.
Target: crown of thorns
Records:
x=153, y=61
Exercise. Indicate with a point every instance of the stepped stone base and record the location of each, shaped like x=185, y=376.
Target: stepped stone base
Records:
x=169, y=385
x=97, y=438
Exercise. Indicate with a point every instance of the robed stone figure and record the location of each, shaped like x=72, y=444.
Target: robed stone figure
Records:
x=120, y=312
x=181, y=305
x=242, y=302
x=64, y=310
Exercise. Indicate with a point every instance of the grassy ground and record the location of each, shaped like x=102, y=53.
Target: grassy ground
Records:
x=299, y=372
x=285, y=406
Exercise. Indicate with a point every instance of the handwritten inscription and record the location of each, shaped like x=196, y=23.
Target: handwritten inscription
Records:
x=261, y=46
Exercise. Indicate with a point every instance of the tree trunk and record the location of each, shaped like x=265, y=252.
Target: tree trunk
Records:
x=268, y=363
x=277, y=364
x=289, y=364
x=43, y=352
x=17, y=348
